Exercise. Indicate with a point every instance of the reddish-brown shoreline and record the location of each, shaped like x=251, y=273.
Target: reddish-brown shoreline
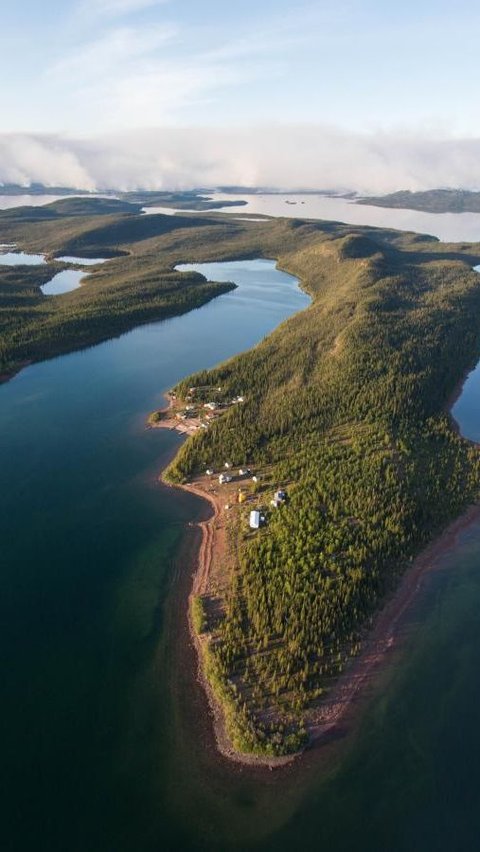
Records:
x=326, y=721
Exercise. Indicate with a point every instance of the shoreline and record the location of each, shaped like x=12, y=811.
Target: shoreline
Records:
x=384, y=636
x=212, y=546
x=326, y=721
x=16, y=369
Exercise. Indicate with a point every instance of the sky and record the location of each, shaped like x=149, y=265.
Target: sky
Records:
x=143, y=89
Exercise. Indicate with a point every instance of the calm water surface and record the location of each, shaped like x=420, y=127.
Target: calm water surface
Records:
x=69, y=279
x=88, y=545
x=9, y=201
x=21, y=258
x=82, y=261
x=63, y=282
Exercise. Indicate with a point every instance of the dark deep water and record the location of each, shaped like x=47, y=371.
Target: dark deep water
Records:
x=102, y=750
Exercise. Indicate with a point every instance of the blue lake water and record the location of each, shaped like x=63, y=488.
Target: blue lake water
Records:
x=69, y=279
x=21, y=258
x=63, y=282
x=89, y=541
x=82, y=261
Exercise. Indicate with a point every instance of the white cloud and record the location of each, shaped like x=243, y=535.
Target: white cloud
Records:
x=26, y=158
x=308, y=157
x=94, y=9
x=113, y=53
x=132, y=74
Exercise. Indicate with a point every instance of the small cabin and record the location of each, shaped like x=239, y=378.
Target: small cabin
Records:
x=279, y=498
x=255, y=520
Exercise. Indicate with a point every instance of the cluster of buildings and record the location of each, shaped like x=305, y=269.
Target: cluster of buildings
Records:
x=256, y=517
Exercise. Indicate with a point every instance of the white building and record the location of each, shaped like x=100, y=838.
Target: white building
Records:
x=279, y=497
x=255, y=520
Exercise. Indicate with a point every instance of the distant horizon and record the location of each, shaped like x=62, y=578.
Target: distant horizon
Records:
x=52, y=189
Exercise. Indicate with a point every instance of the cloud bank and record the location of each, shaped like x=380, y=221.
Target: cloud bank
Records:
x=298, y=157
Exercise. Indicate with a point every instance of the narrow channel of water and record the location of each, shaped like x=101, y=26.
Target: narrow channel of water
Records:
x=466, y=410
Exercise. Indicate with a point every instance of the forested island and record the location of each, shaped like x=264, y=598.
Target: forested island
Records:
x=191, y=199
x=343, y=410
x=430, y=201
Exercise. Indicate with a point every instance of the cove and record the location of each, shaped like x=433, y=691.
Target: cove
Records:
x=90, y=565
x=69, y=279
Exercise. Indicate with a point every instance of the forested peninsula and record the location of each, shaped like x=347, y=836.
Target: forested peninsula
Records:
x=343, y=409
x=429, y=201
